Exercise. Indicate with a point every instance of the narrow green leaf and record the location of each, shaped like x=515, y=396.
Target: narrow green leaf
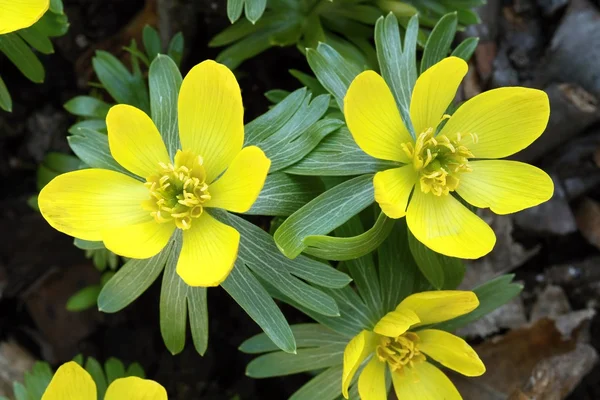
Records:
x=83, y=299
x=5, y=99
x=466, y=48
x=439, y=41
x=131, y=280
x=276, y=95
x=165, y=80
x=236, y=32
x=56, y=6
x=175, y=49
x=152, y=42
x=87, y=106
x=36, y=39
x=234, y=9
x=98, y=125
x=348, y=248
x=20, y=391
x=92, y=148
x=325, y=386
x=246, y=48
x=254, y=9
x=325, y=213
x=37, y=380
x=281, y=364
x=283, y=194
x=243, y=287
x=21, y=55
x=309, y=81
x=307, y=335
x=93, y=367
x=114, y=369
x=353, y=307
x=173, y=303
x=198, y=309
x=135, y=369
x=53, y=25
x=88, y=244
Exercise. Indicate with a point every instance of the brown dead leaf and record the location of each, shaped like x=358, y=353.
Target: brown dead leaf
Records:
x=587, y=217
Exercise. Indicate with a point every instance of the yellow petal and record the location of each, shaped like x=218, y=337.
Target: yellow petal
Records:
x=392, y=189
x=208, y=252
x=439, y=305
x=134, y=388
x=373, y=118
x=444, y=225
x=505, y=186
x=134, y=140
x=240, y=185
x=211, y=116
x=19, y=14
x=396, y=322
x=359, y=348
x=450, y=351
x=71, y=382
x=423, y=381
x=371, y=382
x=505, y=121
x=86, y=202
x=434, y=91
x=140, y=240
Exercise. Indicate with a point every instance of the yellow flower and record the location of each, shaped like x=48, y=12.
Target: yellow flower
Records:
x=137, y=219
x=405, y=352
x=71, y=382
x=494, y=124
x=19, y=14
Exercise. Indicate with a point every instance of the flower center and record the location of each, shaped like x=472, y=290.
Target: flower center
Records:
x=439, y=161
x=178, y=191
x=399, y=351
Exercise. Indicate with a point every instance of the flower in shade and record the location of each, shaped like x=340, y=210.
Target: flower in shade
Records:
x=20, y=14
x=136, y=216
x=398, y=344
x=456, y=158
x=72, y=382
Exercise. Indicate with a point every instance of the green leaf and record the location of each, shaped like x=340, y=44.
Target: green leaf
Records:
x=276, y=95
x=439, y=41
x=254, y=9
x=87, y=106
x=114, y=369
x=173, y=302
x=175, y=49
x=20, y=391
x=131, y=280
x=21, y=55
x=466, y=48
x=37, y=380
x=135, y=369
x=283, y=194
x=325, y=213
x=246, y=48
x=325, y=386
x=307, y=335
x=348, y=248
x=84, y=299
x=165, y=80
x=36, y=39
x=98, y=125
x=53, y=25
x=234, y=9
x=88, y=244
x=198, y=310
x=281, y=364
x=338, y=155
x=309, y=81
x=92, y=148
x=333, y=71
x=245, y=289
x=491, y=295
x=93, y=367
x=151, y=41
x=397, y=62
x=238, y=31
x=5, y=99
x=56, y=6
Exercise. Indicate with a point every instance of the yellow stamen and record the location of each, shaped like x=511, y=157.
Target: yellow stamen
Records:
x=400, y=351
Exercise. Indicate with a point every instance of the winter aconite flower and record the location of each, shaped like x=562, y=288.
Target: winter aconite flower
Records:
x=136, y=218
x=397, y=344
x=73, y=382
x=450, y=159
x=19, y=14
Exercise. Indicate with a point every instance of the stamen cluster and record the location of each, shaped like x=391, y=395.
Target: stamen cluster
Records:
x=400, y=351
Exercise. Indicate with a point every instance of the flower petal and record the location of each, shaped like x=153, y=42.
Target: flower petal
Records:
x=211, y=116
x=444, y=225
x=392, y=189
x=423, y=381
x=359, y=348
x=371, y=382
x=505, y=120
x=439, y=305
x=396, y=322
x=140, y=240
x=134, y=140
x=450, y=351
x=237, y=189
x=373, y=118
x=87, y=202
x=208, y=253
x=434, y=91
x=70, y=382
x=505, y=186
x=134, y=388
x=19, y=14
